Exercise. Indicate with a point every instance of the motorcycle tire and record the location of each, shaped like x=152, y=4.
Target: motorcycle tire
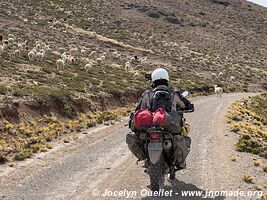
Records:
x=156, y=177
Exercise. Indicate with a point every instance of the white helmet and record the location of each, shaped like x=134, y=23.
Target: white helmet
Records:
x=159, y=74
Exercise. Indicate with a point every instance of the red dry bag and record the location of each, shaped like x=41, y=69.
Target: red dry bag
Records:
x=143, y=119
x=160, y=118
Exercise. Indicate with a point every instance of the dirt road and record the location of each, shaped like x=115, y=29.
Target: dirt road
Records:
x=101, y=161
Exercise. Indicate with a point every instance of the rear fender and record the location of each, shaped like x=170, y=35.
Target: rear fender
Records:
x=154, y=151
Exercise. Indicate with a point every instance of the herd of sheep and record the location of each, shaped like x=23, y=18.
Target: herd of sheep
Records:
x=66, y=57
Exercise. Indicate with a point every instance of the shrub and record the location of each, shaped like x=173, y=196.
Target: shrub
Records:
x=3, y=89
x=3, y=159
x=26, y=153
x=248, y=178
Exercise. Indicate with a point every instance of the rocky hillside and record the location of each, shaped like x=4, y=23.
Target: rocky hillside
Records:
x=201, y=42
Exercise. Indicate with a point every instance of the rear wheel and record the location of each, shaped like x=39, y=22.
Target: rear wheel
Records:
x=156, y=177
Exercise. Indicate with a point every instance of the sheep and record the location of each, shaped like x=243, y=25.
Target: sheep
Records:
x=72, y=60
x=213, y=75
x=63, y=56
x=127, y=65
x=19, y=40
x=73, y=51
x=1, y=38
x=20, y=46
x=116, y=55
x=218, y=91
x=31, y=55
x=136, y=74
x=11, y=40
x=220, y=74
x=83, y=51
x=87, y=67
x=99, y=60
x=60, y=64
x=232, y=78
x=102, y=54
x=132, y=59
x=103, y=57
x=43, y=45
x=143, y=60
x=11, y=36
x=92, y=53
x=69, y=60
x=48, y=50
x=16, y=53
x=40, y=56
x=1, y=49
x=38, y=47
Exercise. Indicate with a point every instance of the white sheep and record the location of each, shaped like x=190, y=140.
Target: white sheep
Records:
x=127, y=65
x=102, y=54
x=11, y=36
x=48, y=50
x=73, y=51
x=32, y=55
x=16, y=53
x=72, y=60
x=103, y=57
x=99, y=60
x=143, y=60
x=213, y=75
x=136, y=74
x=11, y=40
x=132, y=59
x=20, y=46
x=38, y=47
x=40, y=56
x=63, y=56
x=60, y=64
x=83, y=51
x=69, y=60
x=19, y=40
x=232, y=78
x=220, y=74
x=87, y=67
x=43, y=45
x=218, y=91
x=92, y=53
x=116, y=55
x=1, y=49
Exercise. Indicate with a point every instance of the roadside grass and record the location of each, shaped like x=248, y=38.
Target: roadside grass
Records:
x=248, y=118
x=248, y=178
x=22, y=141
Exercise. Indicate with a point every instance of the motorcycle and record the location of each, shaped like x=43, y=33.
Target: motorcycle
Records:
x=160, y=147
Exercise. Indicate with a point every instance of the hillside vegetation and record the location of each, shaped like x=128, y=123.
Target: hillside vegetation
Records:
x=110, y=46
x=248, y=118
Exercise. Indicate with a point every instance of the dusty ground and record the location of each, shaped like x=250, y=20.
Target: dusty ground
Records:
x=102, y=161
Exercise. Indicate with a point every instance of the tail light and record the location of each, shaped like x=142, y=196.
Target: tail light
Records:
x=154, y=136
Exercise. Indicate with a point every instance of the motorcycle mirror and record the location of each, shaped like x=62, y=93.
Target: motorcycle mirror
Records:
x=148, y=76
x=185, y=94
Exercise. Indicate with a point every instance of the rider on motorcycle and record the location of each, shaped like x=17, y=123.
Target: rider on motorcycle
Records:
x=160, y=81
